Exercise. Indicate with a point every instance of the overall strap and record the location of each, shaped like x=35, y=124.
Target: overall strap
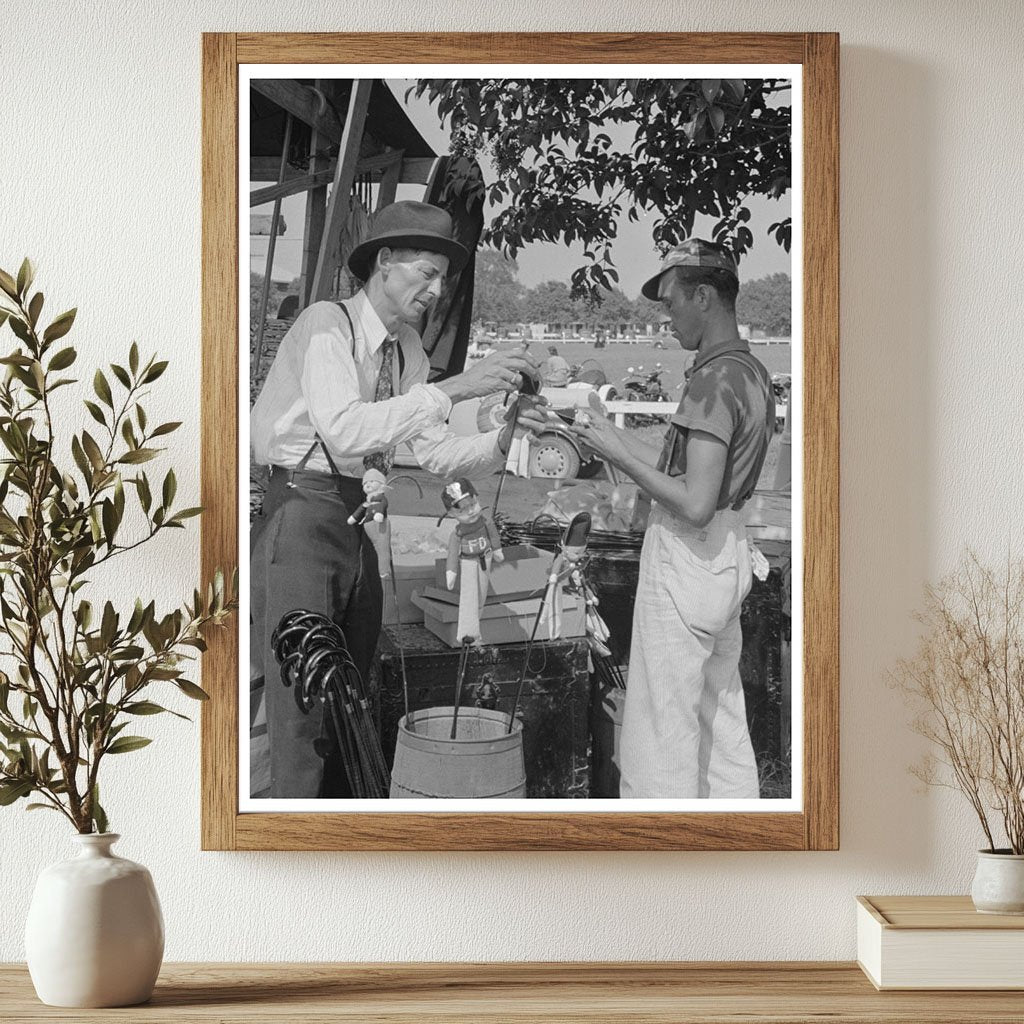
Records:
x=765, y=381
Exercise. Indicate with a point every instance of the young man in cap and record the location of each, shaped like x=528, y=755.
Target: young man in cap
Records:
x=348, y=384
x=684, y=730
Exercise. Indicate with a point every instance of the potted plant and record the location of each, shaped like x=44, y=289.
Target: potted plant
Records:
x=967, y=681
x=80, y=671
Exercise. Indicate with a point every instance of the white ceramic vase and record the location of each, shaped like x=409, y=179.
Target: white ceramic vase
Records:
x=95, y=933
x=999, y=883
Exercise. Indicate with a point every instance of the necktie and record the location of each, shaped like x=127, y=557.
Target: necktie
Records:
x=383, y=460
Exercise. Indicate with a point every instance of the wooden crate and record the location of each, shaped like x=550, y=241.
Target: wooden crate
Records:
x=554, y=706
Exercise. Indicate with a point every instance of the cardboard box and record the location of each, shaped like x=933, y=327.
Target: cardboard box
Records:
x=414, y=569
x=500, y=622
x=523, y=573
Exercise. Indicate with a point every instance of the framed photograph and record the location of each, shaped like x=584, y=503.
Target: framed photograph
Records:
x=520, y=419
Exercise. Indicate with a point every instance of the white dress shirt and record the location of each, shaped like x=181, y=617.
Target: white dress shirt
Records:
x=322, y=382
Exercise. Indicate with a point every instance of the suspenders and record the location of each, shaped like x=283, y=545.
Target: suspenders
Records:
x=318, y=441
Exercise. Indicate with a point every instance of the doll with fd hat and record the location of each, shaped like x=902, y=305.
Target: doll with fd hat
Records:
x=474, y=544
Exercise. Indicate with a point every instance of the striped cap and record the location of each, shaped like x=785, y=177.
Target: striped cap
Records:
x=694, y=252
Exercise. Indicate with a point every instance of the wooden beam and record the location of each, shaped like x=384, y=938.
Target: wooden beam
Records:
x=389, y=181
x=316, y=212
x=300, y=101
x=415, y=171
x=305, y=183
x=344, y=175
x=265, y=168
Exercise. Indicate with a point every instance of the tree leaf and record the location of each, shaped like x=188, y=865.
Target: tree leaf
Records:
x=11, y=791
x=92, y=449
x=63, y=359
x=108, y=625
x=128, y=433
x=185, y=513
x=99, y=816
x=7, y=283
x=165, y=428
x=133, y=358
x=60, y=326
x=145, y=498
x=35, y=308
x=26, y=274
x=126, y=744
x=121, y=374
x=102, y=388
x=154, y=371
x=143, y=707
x=170, y=488
x=95, y=412
x=138, y=455
x=191, y=690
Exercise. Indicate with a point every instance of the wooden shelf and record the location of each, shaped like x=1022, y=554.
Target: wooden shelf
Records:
x=659, y=993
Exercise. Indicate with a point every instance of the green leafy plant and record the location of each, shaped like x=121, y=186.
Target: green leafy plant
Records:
x=81, y=672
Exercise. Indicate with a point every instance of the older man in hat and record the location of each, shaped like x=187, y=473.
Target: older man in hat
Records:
x=684, y=730
x=348, y=384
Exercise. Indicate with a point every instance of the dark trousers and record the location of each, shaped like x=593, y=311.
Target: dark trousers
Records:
x=304, y=555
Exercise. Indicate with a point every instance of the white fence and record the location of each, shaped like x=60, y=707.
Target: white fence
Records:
x=620, y=409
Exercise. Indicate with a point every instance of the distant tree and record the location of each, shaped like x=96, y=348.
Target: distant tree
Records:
x=701, y=145
x=613, y=309
x=765, y=305
x=497, y=291
x=550, y=303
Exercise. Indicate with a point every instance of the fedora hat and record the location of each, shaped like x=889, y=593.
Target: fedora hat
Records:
x=408, y=225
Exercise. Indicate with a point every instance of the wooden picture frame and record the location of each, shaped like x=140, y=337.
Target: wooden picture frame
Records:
x=816, y=826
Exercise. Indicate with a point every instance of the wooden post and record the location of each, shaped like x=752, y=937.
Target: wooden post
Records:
x=344, y=175
x=257, y=360
x=389, y=180
x=316, y=213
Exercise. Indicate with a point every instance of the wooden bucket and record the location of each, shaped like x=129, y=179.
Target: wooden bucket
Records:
x=482, y=762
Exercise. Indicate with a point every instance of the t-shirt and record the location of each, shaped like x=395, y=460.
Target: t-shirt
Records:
x=728, y=394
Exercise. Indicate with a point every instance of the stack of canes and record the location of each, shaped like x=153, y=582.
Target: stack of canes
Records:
x=575, y=538
x=316, y=664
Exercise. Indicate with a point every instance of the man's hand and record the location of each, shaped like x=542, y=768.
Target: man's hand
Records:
x=603, y=437
x=449, y=578
x=531, y=417
x=498, y=372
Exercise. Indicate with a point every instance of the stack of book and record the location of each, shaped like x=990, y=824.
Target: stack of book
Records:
x=938, y=942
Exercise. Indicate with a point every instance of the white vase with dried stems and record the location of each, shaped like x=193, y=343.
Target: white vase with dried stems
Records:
x=72, y=678
x=967, y=683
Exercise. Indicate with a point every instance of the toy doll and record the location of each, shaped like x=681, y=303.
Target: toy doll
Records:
x=372, y=515
x=375, y=507
x=567, y=569
x=473, y=545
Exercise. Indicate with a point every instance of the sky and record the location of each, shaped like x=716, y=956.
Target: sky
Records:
x=634, y=253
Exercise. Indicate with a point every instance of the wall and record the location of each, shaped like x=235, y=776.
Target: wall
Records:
x=100, y=183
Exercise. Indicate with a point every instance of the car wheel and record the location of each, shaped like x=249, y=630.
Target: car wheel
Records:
x=555, y=457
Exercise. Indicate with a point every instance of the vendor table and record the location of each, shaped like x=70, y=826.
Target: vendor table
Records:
x=554, y=706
